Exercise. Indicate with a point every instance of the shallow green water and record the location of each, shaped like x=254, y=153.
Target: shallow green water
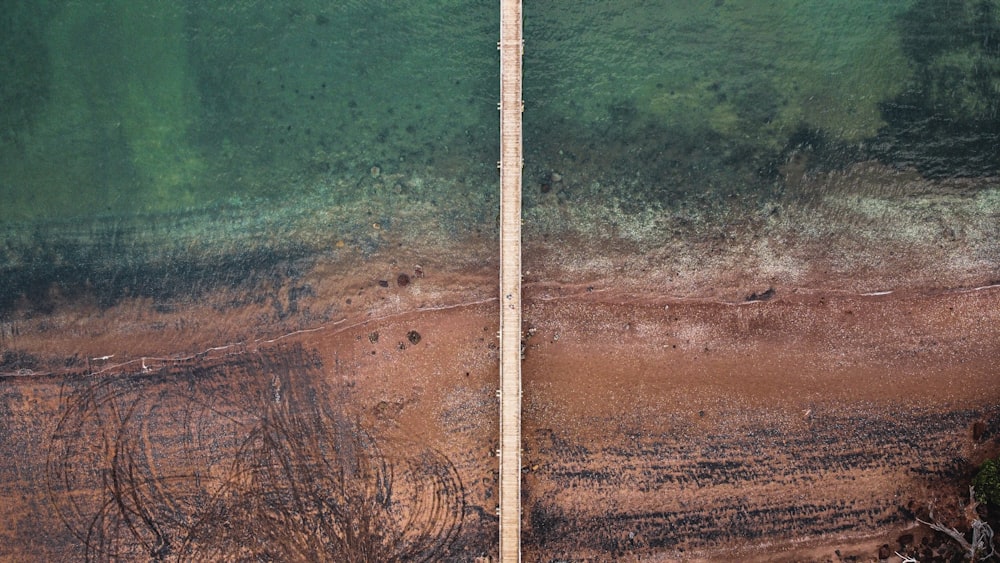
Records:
x=138, y=107
x=151, y=113
x=145, y=107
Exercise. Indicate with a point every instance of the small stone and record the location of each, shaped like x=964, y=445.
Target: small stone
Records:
x=978, y=430
x=383, y=283
x=556, y=177
x=762, y=296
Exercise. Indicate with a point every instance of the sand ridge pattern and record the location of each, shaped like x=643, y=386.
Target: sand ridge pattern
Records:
x=246, y=458
x=763, y=478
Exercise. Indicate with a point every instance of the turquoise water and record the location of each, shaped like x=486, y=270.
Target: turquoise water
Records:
x=142, y=107
x=155, y=118
x=726, y=91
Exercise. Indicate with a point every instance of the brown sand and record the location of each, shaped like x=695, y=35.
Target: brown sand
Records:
x=656, y=425
x=745, y=430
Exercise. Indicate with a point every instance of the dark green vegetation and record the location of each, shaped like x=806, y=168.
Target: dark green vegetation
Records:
x=987, y=483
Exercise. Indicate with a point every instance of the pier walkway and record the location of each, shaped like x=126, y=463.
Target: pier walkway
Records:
x=511, y=163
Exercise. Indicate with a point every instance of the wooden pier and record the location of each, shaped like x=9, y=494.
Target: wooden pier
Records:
x=511, y=163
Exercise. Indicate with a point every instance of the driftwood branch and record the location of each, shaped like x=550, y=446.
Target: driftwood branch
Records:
x=981, y=547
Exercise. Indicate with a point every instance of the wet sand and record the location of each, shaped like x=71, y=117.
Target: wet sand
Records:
x=139, y=428
x=786, y=424
x=751, y=429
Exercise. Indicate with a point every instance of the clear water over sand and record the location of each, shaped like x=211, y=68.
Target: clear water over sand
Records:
x=252, y=124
